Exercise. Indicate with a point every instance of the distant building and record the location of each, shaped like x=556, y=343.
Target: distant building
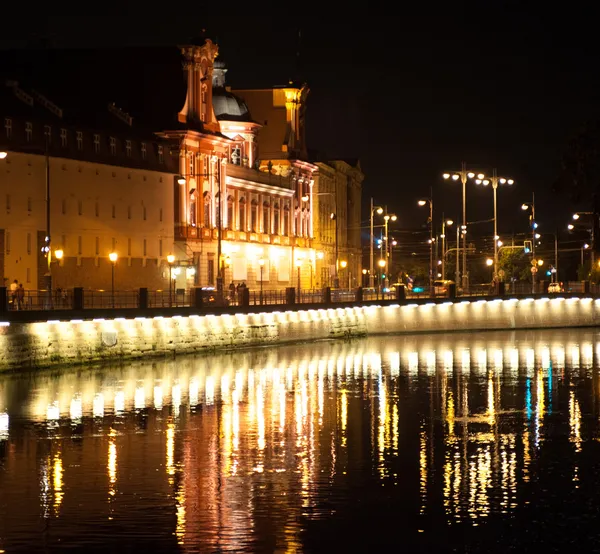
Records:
x=220, y=179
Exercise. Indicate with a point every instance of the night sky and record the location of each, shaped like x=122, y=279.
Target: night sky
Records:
x=410, y=96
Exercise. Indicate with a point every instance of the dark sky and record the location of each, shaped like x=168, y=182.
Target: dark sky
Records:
x=411, y=96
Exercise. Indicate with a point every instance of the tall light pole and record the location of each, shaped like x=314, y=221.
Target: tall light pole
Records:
x=525, y=206
x=431, y=241
x=391, y=268
x=113, y=256
x=261, y=263
x=463, y=175
x=445, y=222
x=495, y=181
x=170, y=260
x=379, y=210
x=386, y=218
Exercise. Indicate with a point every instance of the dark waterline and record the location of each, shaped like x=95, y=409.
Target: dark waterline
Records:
x=450, y=443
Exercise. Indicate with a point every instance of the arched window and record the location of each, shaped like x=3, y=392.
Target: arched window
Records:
x=242, y=214
x=207, y=210
x=230, y=212
x=276, y=219
x=254, y=216
x=266, y=217
x=286, y=219
x=193, y=212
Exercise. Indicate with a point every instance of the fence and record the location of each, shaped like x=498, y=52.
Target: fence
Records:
x=77, y=298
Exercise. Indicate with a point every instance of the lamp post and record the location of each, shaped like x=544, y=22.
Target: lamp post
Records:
x=392, y=244
x=381, y=264
x=445, y=222
x=584, y=247
x=379, y=210
x=261, y=263
x=386, y=218
x=576, y=216
x=495, y=181
x=170, y=260
x=463, y=175
x=113, y=256
x=431, y=240
x=343, y=265
x=298, y=266
x=525, y=206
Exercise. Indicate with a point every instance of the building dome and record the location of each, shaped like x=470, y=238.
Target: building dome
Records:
x=229, y=107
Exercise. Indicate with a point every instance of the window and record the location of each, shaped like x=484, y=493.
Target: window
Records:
x=161, y=157
x=128, y=148
x=97, y=246
x=143, y=150
x=254, y=216
x=211, y=272
x=79, y=140
x=80, y=207
x=145, y=252
x=113, y=145
x=63, y=138
x=129, y=247
x=128, y=212
x=160, y=247
x=96, y=143
x=8, y=202
x=276, y=229
x=28, y=131
x=29, y=204
x=79, y=245
x=97, y=209
x=242, y=215
x=266, y=218
x=236, y=156
x=8, y=242
x=207, y=217
x=28, y=243
x=230, y=212
x=64, y=206
x=160, y=214
x=193, y=215
x=114, y=211
x=8, y=127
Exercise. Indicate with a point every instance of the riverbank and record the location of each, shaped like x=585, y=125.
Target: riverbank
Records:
x=29, y=339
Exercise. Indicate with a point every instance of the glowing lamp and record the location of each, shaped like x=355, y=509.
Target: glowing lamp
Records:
x=489, y=262
x=58, y=254
x=113, y=256
x=170, y=258
x=343, y=263
x=3, y=155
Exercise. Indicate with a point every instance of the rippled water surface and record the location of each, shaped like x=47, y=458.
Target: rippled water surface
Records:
x=452, y=443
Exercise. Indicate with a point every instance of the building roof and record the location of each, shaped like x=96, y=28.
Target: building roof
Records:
x=229, y=107
x=146, y=84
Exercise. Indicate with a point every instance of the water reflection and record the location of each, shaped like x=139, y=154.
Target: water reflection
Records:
x=244, y=451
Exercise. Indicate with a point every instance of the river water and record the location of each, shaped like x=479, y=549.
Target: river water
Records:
x=482, y=442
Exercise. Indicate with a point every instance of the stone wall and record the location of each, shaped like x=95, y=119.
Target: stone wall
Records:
x=39, y=344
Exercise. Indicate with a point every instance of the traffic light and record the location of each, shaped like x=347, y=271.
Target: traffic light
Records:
x=527, y=246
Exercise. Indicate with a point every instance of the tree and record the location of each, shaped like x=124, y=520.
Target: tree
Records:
x=513, y=263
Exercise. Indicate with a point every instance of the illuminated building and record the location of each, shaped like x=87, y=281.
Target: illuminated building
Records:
x=220, y=180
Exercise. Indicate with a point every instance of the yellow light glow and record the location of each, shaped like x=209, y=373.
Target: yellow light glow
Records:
x=343, y=263
x=170, y=258
x=58, y=254
x=381, y=263
x=113, y=256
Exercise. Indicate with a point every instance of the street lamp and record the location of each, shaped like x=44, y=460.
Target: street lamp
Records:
x=495, y=181
x=261, y=263
x=431, y=240
x=113, y=256
x=343, y=265
x=463, y=175
x=298, y=266
x=525, y=206
x=381, y=264
x=170, y=260
x=3, y=155
x=584, y=247
x=445, y=222
x=379, y=210
x=387, y=218
x=576, y=216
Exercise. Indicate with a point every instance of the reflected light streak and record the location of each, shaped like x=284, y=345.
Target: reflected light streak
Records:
x=112, y=462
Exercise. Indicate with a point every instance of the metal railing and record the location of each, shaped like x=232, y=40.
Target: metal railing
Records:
x=40, y=300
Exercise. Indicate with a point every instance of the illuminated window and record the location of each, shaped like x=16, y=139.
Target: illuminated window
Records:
x=96, y=143
x=28, y=131
x=143, y=148
x=113, y=145
x=207, y=218
x=79, y=136
x=193, y=214
x=63, y=138
x=128, y=148
x=8, y=127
